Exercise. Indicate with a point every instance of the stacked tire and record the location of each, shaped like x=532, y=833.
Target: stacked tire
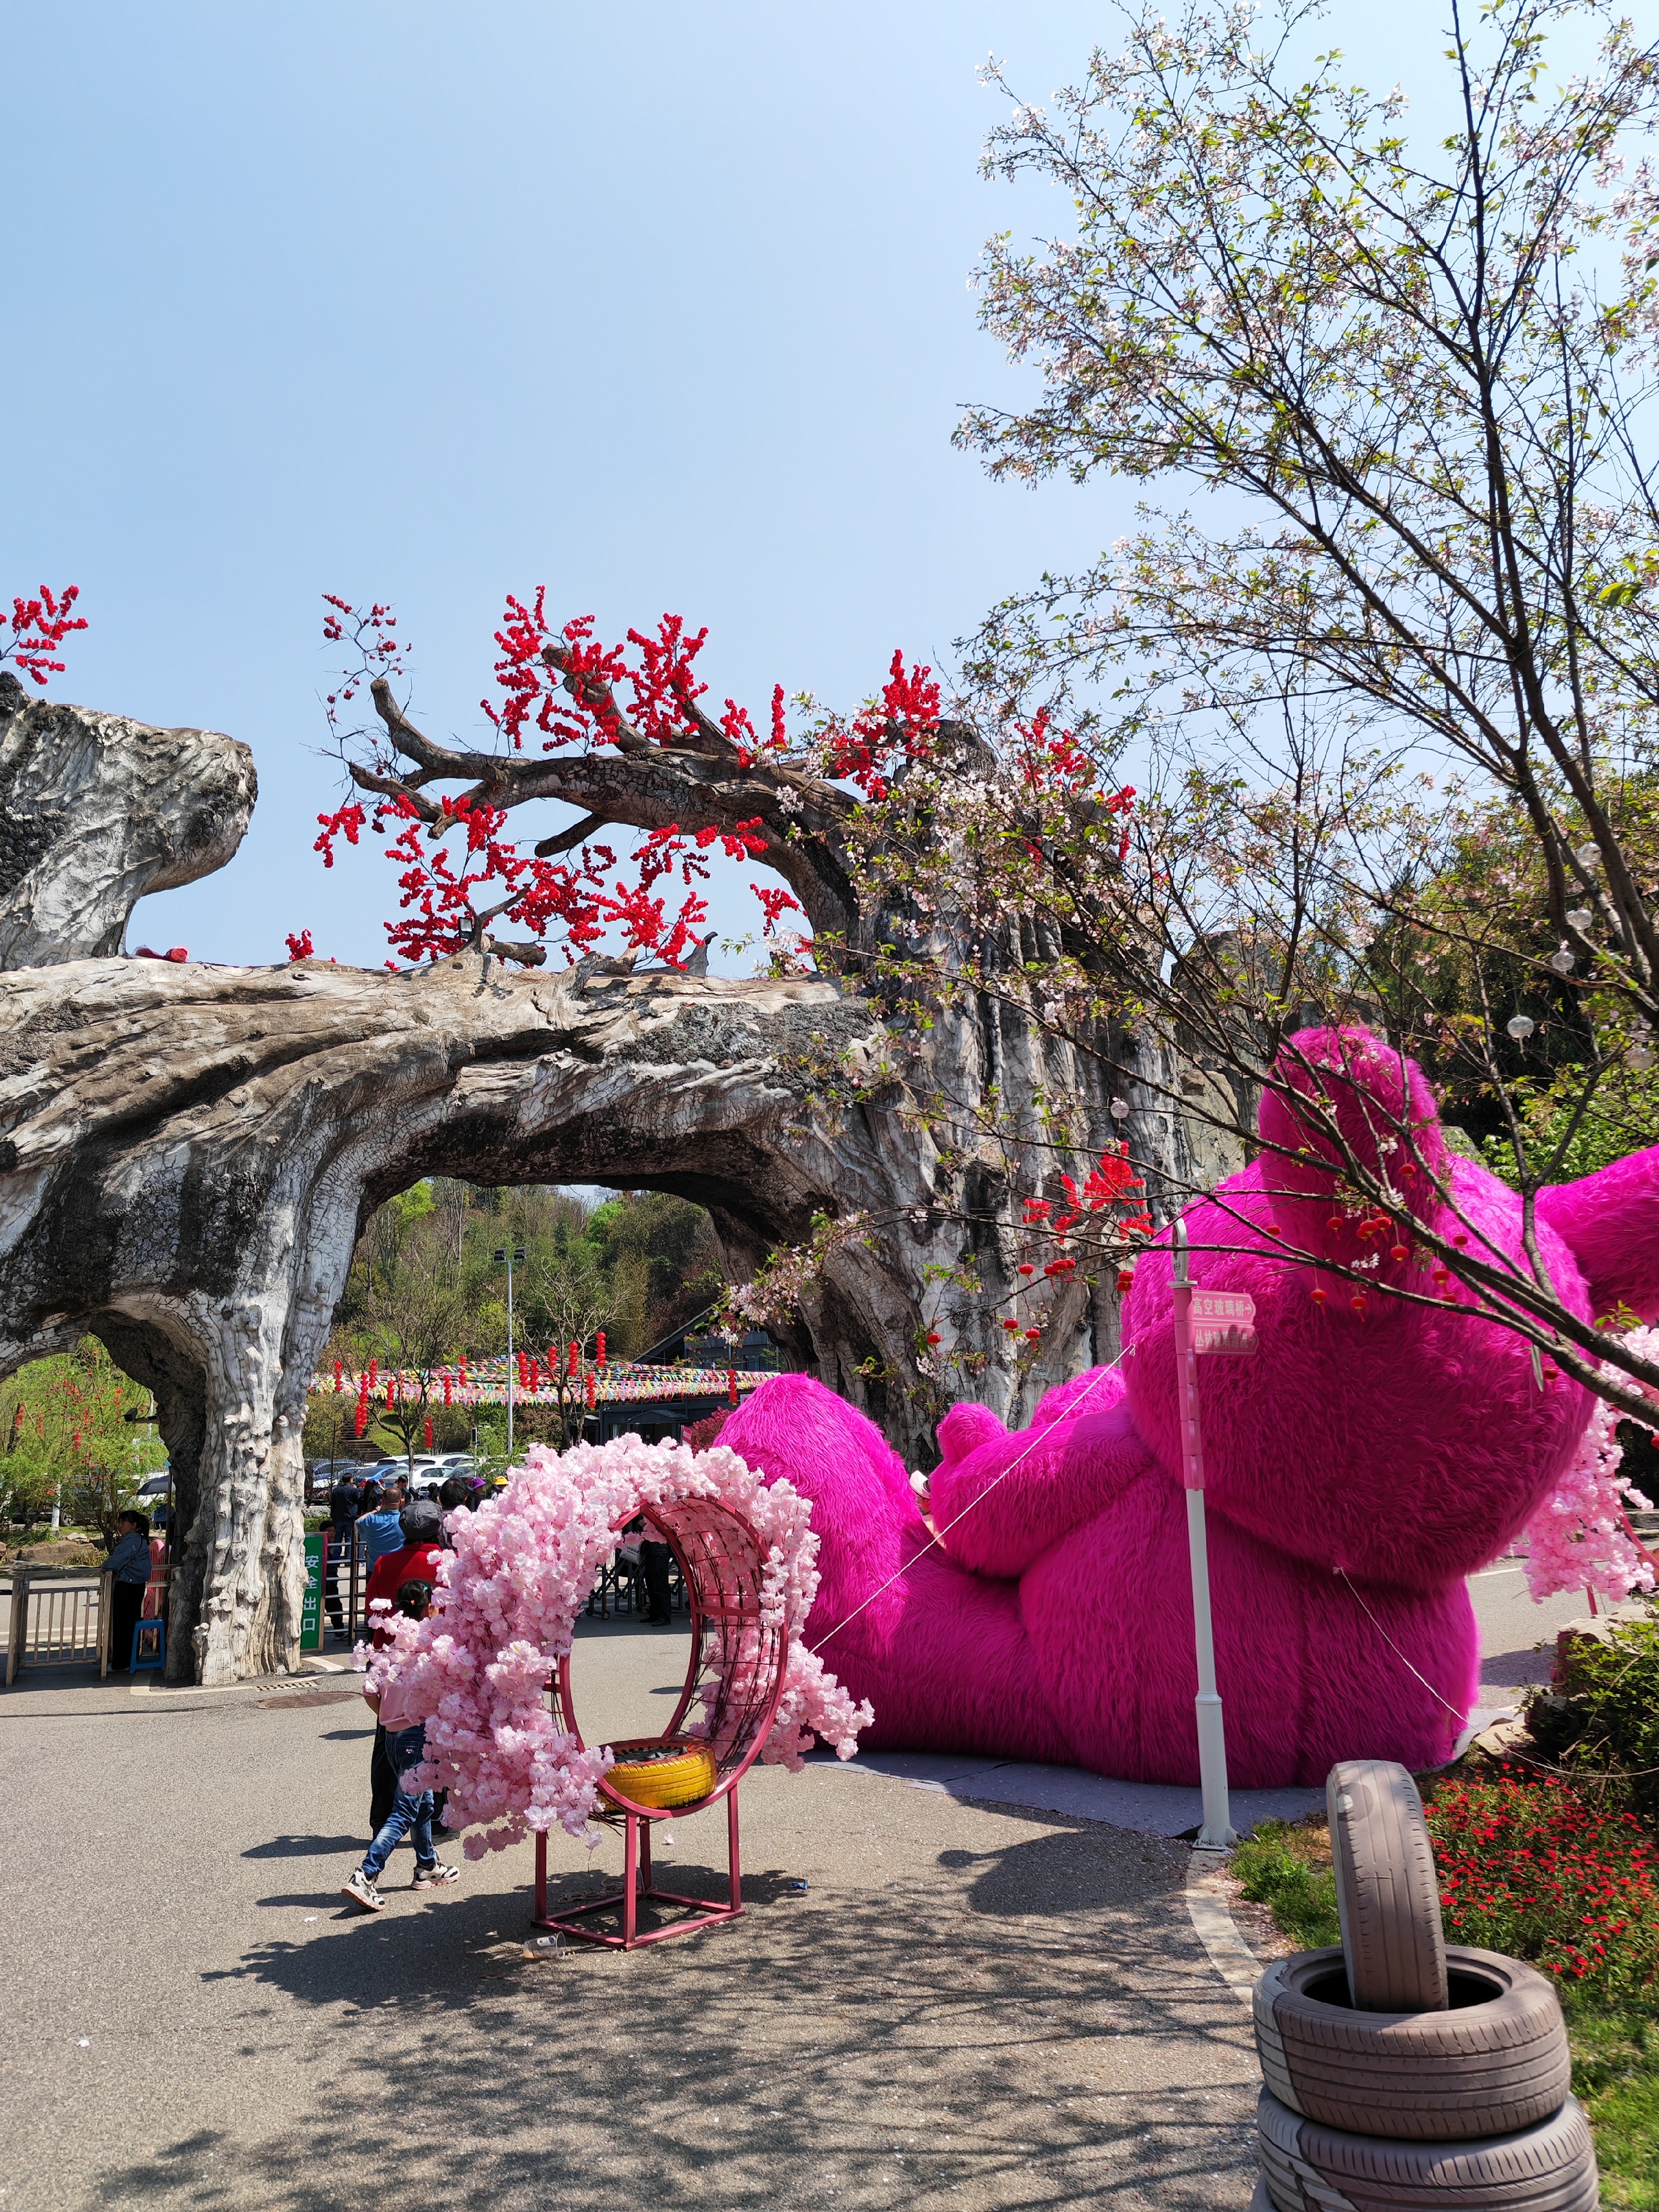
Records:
x=1403, y=2072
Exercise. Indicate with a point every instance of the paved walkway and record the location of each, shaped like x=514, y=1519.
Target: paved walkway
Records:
x=1518, y=1647
x=976, y=2004
x=968, y=2006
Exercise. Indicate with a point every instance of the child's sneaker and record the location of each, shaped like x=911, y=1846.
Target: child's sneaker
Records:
x=361, y=1891
x=435, y=1876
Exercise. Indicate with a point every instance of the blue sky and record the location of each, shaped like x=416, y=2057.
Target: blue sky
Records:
x=662, y=307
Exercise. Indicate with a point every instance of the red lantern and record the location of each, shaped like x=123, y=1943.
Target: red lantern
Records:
x=373, y=1370
x=599, y=1348
x=428, y=1431
x=575, y=1354
x=464, y=1371
x=339, y=1377
x=448, y=1386
x=362, y=1416
x=731, y=1384
x=535, y=1383
x=592, y=1390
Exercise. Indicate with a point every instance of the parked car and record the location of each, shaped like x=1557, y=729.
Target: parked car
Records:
x=323, y=1474
x=428, y=1480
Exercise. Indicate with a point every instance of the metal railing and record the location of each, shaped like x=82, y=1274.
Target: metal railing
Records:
x=57, y=1624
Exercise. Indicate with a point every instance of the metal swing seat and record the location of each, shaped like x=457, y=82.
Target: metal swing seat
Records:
x=737, y=1665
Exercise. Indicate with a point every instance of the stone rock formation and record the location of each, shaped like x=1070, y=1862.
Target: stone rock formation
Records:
x=96, y=811
x=190, y=1152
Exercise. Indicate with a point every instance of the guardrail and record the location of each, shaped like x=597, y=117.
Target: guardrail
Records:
x=57, y=1623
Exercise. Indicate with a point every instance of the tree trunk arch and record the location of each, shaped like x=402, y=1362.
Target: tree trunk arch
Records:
x=188, y=1153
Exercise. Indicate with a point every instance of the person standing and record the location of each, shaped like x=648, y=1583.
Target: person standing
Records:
x=420, y=1531
x=653, y=1567
x=406, y=1737
x=420, y=1526
x=378, y=1531
x=344, y=1504
x=129, y=1561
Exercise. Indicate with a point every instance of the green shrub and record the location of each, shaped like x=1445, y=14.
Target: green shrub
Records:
x=1288, y=1869
x=1604, y=1715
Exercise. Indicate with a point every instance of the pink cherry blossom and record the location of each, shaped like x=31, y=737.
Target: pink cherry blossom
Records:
x=1578, y=1539
x=509, y=1594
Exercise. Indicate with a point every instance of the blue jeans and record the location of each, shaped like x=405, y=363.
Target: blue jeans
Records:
x=406, y=1748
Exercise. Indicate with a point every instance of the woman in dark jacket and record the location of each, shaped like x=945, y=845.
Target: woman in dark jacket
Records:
x=129, y=1562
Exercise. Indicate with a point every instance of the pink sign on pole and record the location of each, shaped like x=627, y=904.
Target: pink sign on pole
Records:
x=1224, y=1320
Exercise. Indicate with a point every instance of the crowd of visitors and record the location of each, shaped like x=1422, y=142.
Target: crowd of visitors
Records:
x=367, y=1511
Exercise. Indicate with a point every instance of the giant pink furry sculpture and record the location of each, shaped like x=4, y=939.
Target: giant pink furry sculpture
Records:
x=1406, y=1447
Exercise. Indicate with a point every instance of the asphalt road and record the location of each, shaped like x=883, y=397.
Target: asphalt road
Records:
x=969, y=2006
x=1517, y=1637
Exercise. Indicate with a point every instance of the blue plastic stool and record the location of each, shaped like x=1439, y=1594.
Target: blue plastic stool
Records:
x=157, y=1656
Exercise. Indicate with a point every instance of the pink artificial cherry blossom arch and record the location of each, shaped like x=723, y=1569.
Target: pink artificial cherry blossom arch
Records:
x=739, y=1656
x=520, y=1571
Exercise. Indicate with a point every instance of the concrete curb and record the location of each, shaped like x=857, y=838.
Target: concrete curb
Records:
x=1214, y=1926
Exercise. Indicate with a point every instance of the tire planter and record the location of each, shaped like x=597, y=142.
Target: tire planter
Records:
x=1495, y=2060
x=1306, y=2167
x=669, y=1771
x=1387, y=1894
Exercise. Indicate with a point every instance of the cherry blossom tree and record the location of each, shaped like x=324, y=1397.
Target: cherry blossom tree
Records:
x=1390, y=702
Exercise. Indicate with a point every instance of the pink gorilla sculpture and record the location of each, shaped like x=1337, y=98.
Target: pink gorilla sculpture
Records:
x=1405, y=1447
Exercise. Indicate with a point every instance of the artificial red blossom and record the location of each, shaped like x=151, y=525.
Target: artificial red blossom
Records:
x=572, y=690
x=38, y=628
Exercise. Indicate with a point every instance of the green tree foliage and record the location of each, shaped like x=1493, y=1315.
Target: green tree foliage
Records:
x=65, y=1435
x=425, y=1288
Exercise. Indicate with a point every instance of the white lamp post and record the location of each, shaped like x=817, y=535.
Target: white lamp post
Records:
x=1218, y=1831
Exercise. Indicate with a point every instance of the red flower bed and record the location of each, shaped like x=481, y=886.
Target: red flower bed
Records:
x=1533, y=1867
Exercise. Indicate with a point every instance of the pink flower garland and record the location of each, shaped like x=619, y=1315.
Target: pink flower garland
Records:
x=521, y=1570
x=1578, y=1539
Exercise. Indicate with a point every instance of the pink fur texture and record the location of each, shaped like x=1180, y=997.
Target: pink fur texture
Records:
x=1404, y=1447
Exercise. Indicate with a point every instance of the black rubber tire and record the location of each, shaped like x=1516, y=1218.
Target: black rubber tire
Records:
x=1482, y=2067
x=1309, y=2168
x=1387, y=1894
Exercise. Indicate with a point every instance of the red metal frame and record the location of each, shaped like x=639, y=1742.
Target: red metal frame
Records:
x=722, y=1563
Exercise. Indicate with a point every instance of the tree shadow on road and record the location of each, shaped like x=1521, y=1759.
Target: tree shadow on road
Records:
x=1021, y=2027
